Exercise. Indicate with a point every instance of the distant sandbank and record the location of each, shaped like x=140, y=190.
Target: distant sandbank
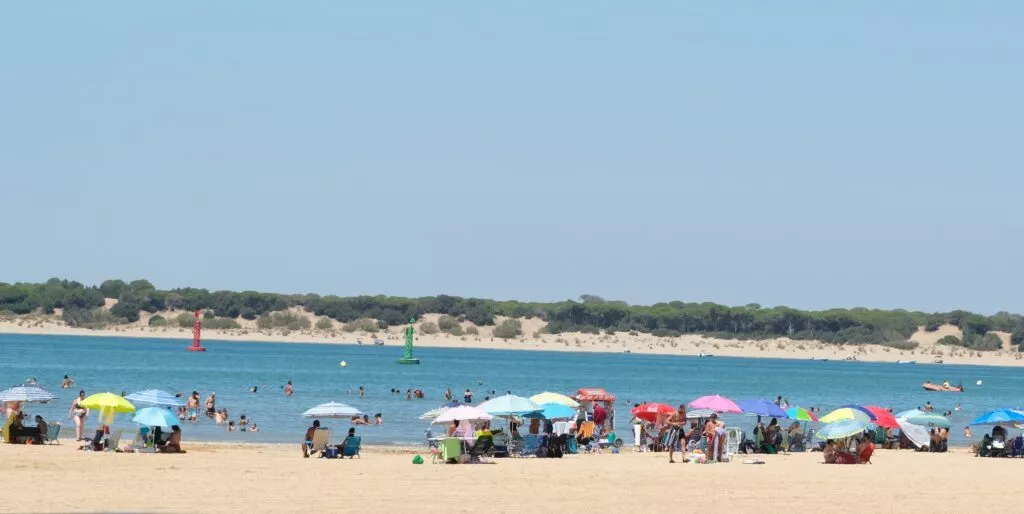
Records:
x=533, y=338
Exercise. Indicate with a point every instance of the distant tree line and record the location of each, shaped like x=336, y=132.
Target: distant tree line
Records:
x=591, y=314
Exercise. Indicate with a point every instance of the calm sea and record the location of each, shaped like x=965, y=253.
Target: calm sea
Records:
x=231, y=368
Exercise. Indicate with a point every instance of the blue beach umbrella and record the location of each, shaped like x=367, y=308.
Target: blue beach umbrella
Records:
x=842, y=429
x=762, y=408
x=509, y=405
x=928, y=419
x=554, y=411
x=155, y=417
x=155, y=397
x=999, y=416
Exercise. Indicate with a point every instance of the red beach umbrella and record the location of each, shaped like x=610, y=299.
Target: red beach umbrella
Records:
x=883, y=417
x=651, y=411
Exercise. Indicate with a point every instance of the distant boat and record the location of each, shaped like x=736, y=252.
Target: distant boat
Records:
x=942, y=388
x=626, y=351
x=378, y=342
x=937, y=361
x=702, y=354
x=906, y=362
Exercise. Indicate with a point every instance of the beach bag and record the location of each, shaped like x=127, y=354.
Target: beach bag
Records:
x=542, y=452
x=417, y=460
x=331, y=452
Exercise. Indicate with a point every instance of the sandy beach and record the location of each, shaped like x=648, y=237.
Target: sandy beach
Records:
x=534, y=338
x=275, y=478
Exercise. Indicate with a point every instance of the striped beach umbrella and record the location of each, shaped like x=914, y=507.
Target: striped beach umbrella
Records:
x=26, y=394
x=155, y=397
x=332, y=410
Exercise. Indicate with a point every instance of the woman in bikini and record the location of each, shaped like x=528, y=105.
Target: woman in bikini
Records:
x=78, y=413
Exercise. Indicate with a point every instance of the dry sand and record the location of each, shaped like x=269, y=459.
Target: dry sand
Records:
x=534, y=339
x=275, y=478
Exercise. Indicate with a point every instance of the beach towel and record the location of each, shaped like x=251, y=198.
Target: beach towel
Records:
x=451, y=448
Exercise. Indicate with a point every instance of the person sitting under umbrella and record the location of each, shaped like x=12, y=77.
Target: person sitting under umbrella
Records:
x=864, y=450
x=173, y=444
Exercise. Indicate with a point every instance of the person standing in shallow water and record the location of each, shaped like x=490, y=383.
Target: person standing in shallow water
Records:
x=288, y=390
x=467, y=397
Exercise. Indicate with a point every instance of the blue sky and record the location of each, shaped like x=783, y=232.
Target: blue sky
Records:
x=811, y=154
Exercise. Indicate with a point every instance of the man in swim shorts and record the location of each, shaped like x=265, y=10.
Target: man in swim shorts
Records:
x=307, y=442
x=677, y=433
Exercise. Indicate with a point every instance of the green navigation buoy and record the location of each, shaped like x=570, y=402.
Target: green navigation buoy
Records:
x=408, y=358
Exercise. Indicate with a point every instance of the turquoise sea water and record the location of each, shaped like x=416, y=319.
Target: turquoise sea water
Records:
x=231, y=368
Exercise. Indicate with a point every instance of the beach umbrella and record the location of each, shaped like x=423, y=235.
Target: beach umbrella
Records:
x=800, y=414
x=999, y=416
x=155, y=417
x=762, y=408
x=155, y=397
x=108, y=402
x=927, y=419
x=883, y=417
x=26, y=394
x=842, y=429
x=594, y=394
x=554, y=411
x=332, y=410
x=865, y=410
x=433, y=413
x=917, y=434
x=846, y=414
x=549, y=397
x=651, y=411
x=509, y=405
x=716, y=403
x=699, y=413
x=462, y=413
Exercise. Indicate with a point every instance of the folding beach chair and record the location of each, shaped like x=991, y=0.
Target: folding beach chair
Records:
x=570, y=446
x=500, y=442
x=483, y=447
x=320, y=439
x=531, y=443
x=115, y=440
x=52, y=433
x=733, y=436
x=351, y=446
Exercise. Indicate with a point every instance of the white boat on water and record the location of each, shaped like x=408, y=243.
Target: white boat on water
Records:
x=702, y=354
x=906, y=362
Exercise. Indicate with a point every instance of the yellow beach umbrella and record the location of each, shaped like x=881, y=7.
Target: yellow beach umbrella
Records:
x=845, y=414
x=549, y=397
x=109, y=402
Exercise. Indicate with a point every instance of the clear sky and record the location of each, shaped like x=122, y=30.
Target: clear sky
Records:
x=812, y=154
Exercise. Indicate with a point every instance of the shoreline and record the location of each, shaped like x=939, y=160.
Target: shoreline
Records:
x=641, y=344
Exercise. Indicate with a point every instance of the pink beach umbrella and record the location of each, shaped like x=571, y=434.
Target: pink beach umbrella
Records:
x=716, y=403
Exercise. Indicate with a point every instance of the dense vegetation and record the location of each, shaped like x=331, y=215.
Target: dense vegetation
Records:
x=80, y=305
